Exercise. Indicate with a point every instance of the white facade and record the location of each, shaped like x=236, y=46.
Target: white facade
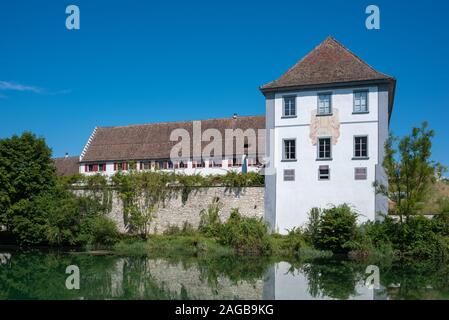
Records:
x=293, y=200
x=189, y=170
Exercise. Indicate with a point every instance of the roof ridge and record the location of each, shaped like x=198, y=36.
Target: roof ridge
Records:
x=173, y=122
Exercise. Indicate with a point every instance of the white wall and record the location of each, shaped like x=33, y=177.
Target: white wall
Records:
x=189, y=170
x=294, y=199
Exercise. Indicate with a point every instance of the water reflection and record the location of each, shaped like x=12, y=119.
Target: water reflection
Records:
x=39, y=275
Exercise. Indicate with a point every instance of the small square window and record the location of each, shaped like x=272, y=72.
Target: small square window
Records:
x=324, y=104
x=289, y=175
x=289, y=109
x=290, y=149
x=323, y=173
x=360, y=173
x=360, y=101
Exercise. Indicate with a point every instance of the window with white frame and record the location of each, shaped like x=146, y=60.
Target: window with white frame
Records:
x=360, y=173
x=323, y=173
x=289, y=149
x=360, y=101
x=289, y=175
x=360, y=147
x=324, y=103
x=289, y=109
x=324, y=148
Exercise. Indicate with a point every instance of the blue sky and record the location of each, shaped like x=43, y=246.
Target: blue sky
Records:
x=149, y=61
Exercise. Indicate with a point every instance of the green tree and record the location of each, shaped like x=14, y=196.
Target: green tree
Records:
x=409, y=170
x=26, y=171
x=337, y=228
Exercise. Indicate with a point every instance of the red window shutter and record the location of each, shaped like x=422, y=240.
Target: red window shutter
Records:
x=165, y=164
x=95, y=168
x=86, y=168
x=125, y=166
x=193, y=164
x=115, y=166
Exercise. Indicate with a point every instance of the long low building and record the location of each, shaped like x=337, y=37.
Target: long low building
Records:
x=212, y=146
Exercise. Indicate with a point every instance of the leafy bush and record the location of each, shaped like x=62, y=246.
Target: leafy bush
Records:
x=418, y=237
x=99, y=230
x=311, y=231
x=336, y=228
x=186, y=230
x=210, y=223
x=234, y=179
x=245, y=235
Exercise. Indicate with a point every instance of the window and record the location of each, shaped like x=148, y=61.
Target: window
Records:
x=323, y=173
x=289, y=175
x=146, y=165
x=119, y=166
x=324, y=148
x=289, y=106
x=361, y=147
x=289, y=149
x=102, y=167
x=360, y=174
x=360, y=101
x=324, y=104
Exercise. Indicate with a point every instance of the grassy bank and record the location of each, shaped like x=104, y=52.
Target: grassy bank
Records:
x=197, y=245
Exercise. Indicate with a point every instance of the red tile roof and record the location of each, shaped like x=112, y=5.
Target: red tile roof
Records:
x=152, y=141
x=329, y=63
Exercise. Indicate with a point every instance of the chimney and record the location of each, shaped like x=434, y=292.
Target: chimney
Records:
x=234, y=116
x=66, y=155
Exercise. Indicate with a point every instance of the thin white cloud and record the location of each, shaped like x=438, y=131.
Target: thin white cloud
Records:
x=12, y=86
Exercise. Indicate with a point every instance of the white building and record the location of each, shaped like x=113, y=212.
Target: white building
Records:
x=328, y=116
x=148, y=147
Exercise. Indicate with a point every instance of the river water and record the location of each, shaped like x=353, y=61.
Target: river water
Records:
x=42, y=275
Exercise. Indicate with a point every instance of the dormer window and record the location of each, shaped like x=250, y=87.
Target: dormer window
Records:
x=289, y=109
x=324, y=104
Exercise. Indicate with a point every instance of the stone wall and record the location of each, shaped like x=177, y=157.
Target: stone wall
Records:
x=175, y=211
